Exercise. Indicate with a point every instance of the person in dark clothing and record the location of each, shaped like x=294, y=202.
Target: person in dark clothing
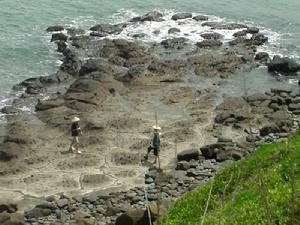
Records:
x=76, y=132
x=154, y=144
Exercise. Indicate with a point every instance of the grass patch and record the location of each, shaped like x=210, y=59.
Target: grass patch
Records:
x=263, y=189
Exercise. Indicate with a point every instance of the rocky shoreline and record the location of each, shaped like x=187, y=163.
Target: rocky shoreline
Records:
x=116, y=86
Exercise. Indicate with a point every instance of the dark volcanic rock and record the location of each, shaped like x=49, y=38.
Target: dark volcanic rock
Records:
x=71, y=63
x=107, y=28
x=221, y=152
x=6, y=156
x=262, y=57
x=259, y=39
x=98, y=34
x=224, y=26
x=284, y=65
x=74, y=31
x=173, y=30
x=55, y=28
x=151, y=16
x=240, y=33
x=200, y=18
x=9, y=208
x=85, y=94
x=139, y=35
x=209, y=44
x=269, y=128
x=180, y=16
x=227, y=110
x=240, y=40
x=61, y=46
x=182, y=165
x=174, y=43
x=133, y=217
x=212, y=35
x=209, y=151
x=59, y=37
x=252, y=30
x=188, y=155
x=229, y=154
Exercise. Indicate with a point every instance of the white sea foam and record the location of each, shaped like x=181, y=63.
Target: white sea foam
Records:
x=189, y=29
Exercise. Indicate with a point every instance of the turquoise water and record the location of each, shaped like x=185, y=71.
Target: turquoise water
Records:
x=26, y=51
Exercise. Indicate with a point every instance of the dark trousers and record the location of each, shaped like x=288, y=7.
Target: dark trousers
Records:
x=155, y=150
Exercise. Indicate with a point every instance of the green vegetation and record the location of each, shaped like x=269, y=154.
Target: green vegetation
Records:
x=263, y=189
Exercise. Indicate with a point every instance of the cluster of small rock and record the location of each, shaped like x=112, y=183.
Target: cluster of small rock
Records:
x=192, y=170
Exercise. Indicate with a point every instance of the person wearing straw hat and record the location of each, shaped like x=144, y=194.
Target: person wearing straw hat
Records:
x=76, y=132
x=154, y=144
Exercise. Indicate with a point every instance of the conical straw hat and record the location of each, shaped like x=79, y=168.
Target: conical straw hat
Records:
x=156, y=127
x=75, y=119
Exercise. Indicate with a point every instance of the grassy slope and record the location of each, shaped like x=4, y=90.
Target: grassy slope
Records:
x=258, y=190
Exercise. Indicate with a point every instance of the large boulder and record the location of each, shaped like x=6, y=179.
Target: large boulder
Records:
x=107, y=28
x=240, y=33
x=211, y=35
x=252, y=30
x=93, y=65
x=188, y=155
x=71, y=63
x=173, y=30
x=200, y=18
x=269, y=128
x=61, y=46
x=180, y=16
x=259, y=39
x=221, y=151
x=150, y=16
x=55, y=28
x=210, y=43
x=263, y=57
x=174, y=43
x=235, y=108
x=224, y=26
x=126, y=53
x=85, y=94
x=283, y=65
x=9, y=208
x=37, y=213
x=59, y=37
x=133, y=217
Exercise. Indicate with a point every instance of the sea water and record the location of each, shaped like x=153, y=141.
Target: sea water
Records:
x=26, y=50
